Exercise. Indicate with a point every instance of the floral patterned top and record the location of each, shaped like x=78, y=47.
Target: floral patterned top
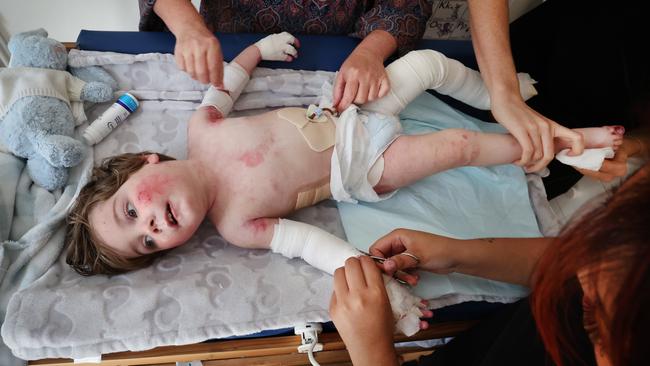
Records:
x=404, y=19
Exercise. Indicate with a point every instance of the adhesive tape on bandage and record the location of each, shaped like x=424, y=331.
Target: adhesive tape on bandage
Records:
x=235, y=79
x=218, y=99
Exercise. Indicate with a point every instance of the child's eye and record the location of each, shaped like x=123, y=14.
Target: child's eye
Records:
x=149, y=243
x=130, y=210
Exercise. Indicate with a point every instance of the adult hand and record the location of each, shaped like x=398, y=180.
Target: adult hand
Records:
x=433, y=251
x=616, y=167
x=362, y=78
x=362, y=314
x=198, y=52
x=534, y=132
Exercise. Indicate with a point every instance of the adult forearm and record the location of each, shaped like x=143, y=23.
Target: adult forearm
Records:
x=510, y=260
x=178, y=15
x=379, y=42
x=491, y=41
x=380, y=354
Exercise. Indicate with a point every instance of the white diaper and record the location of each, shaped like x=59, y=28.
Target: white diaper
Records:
x=357, y=163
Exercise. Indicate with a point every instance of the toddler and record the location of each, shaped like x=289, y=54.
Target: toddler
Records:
x=246, y=173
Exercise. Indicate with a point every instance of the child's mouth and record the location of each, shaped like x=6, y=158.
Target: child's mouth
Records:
x=171, y=219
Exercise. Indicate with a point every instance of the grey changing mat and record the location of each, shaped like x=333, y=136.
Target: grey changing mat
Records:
x=204, y=289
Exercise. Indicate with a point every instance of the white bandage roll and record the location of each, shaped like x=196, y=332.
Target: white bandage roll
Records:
x=317, y=247
x=235, y=79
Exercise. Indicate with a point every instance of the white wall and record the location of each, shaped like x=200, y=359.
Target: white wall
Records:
x=63, y=19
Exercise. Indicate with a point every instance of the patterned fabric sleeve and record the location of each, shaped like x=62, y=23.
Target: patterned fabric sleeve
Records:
x=150, y=21
x=403, y=19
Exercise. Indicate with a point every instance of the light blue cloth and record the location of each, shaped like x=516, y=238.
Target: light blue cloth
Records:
x=32, y=228
x=467, y=202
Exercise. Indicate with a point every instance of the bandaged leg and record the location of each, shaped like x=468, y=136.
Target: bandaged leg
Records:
x=420, y=70
x=327, y=252
x=235, y=79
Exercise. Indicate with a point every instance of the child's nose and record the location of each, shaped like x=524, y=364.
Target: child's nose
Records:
x=152, y=225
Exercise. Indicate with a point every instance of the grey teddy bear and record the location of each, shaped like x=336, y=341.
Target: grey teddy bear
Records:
x=36, y=118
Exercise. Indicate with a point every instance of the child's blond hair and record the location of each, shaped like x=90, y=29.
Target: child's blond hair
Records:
x=85, y=252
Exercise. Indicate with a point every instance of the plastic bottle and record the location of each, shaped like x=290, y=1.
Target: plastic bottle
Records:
x=110, y=119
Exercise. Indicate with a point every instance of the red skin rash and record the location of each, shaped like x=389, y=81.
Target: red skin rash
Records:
x=252, y=158
x=258, y=225
x=381, y=189
x=212, y=115
x=255, y=157
x=150, y=186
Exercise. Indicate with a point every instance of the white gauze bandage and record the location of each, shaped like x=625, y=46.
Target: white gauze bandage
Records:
x=590, y=159
x=277, y=46
x=235, y=79
x=327, y=252
x=317, y=247
x=420, y=70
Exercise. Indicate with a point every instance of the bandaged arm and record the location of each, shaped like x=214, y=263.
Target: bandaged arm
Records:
x=327, y=252
x=236, y=74
x=235, y=79
x=320, y=249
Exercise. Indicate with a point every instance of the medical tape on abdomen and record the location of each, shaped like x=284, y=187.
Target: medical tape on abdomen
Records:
x=313, y=196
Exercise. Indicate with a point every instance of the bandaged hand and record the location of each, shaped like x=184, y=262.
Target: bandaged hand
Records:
x=278, y=47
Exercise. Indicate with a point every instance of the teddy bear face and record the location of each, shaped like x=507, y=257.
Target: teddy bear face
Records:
x=34, y=49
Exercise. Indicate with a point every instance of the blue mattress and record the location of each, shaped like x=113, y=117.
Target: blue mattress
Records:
x=317, y=52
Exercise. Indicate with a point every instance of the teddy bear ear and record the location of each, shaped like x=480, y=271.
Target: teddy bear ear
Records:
x=17, y=39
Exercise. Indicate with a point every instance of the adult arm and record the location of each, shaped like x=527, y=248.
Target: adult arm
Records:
x=197, y=50
x=389, y=26
x=534, y=132
x=362, y=77
x=503, y=259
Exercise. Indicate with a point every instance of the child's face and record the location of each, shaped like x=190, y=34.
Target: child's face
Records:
x=159, y=207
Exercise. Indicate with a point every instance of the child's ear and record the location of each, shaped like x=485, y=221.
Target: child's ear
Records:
x=152, y=159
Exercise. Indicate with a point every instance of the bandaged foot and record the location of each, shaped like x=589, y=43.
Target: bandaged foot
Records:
x=278, y=47
x=327, y=252
x=600, y=144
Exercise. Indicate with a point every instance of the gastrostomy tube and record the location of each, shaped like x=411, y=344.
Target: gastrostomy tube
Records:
x=110, y=119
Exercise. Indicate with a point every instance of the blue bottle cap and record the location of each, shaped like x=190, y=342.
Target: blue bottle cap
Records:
x=128, y=101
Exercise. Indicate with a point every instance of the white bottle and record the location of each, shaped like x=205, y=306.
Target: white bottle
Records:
x=110, y=119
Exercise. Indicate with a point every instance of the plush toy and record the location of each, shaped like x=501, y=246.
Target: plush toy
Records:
x=36, y=117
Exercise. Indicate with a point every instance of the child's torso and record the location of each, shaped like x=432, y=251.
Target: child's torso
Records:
x=262, y=161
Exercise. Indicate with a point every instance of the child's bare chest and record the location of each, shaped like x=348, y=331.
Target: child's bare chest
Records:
x=262, y=161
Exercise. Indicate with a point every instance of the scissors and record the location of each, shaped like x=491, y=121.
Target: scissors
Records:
x=381, y=260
